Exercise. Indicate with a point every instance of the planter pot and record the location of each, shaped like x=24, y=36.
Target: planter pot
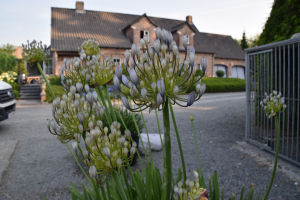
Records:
x=135, y=137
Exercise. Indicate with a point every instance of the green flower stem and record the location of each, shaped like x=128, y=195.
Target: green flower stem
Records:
x=47, y=83
x=179, y=142
x=168, y=168
x=100, y=93
x=119, y=185
x=197, y=148
x=276, y=156
x=112, y=110
x=162, y=144
x=147, y=136
x=79, y=165
x=137, y=128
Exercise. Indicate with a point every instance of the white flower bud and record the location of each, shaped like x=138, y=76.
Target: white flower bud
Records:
x=158, y=33
x=106, y=151
x=74, y=145
x=119, y=162
x=159, y=99
x=184, y=40
x=142, y=42
x=93, y=172
x=175, y=90
x=132, y=151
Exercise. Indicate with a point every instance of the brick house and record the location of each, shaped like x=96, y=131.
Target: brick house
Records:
x=115, y=33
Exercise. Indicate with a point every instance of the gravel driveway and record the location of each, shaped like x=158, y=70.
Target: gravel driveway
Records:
x=41, y=164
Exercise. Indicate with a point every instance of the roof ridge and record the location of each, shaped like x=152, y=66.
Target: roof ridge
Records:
x=122, y=13
x=100, y=11
x=216, y=34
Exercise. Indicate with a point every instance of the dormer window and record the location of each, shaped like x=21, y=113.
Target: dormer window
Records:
x=145, y=33
x=117, y=61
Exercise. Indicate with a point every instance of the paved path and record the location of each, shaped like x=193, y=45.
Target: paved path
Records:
x=41, y=164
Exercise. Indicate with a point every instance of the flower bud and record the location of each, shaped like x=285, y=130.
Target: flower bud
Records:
x=184, y=40
x=124, y=80
x=196, y=175
x=116, y=82
x=151, y=52
x=79, y=87
x=132, y=151
x=93, y=172
x=80, y=128
x=48, y=122
x=203, y=64
x=164, y=34
x=87, y=88
x=191, y=98
x=161, y=87
x=192, y=58
x=127, y=134
x=102, y=110
x=100, y=123
x=159, y=99
x=119, y=162
x=175, y=90
x=175, y=50
x=88, y=78
x=134, y=49
x=80, y=117
x=127, y=55
x=133, y=76
x=95, y=96
x=125, y=102
x=118, y=72
x=191, y=118
x=106, y=151
x=74, y=145
x=142, y=42
x=158, y=33
x=156, y=45
x=163, y=63
x=73, y=89
x=144, y=93
x=85, y=152
x=198, y=88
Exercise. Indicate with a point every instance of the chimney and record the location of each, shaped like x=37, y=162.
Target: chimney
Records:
x=80, y=7
x=189, y=19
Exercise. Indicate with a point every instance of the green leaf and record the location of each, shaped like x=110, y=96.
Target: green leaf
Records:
x=43, y=197
x=216, y=185
x=242, y=193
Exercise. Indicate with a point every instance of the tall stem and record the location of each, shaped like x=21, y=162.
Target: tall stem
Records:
x=47, y=83
x=112, y=110
x=276, y=156
x=179, y=142
x=197, y=148
x=149, y=145
x=168, y=168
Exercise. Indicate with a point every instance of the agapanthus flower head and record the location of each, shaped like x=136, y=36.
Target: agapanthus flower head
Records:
x=158, y=71
x=109, y=149
x=35, y=52
x=273, y=103
x=90, y=47
x=90, y=68
x=74, y=114
x=192, y=190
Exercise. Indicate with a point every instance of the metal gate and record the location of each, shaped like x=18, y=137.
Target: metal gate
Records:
x=274, y=67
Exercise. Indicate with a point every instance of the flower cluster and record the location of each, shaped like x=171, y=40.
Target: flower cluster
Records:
x=35, y=51
x=192, y=190
x=90, y=68
x=156, y=74
x=273, y=103
x=75, y=113
x=108, y=150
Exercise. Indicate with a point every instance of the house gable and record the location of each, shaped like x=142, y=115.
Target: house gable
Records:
x=133, y=32
x=185, y=29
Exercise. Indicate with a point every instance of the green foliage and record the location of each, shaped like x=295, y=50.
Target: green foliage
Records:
x=283, y=22
x=55, y=80
x=7, y=62
x=16, y=92
x=220, y=73
x=221, y=85
x=8, y=48
x=199, y=72
x=244, y=42
x=58, y=91
x=127, y=117
x=21, y=66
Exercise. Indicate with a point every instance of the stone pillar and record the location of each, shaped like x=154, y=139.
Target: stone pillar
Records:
x=43, y=93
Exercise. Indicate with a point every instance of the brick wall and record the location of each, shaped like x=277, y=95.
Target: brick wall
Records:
x=229, y=63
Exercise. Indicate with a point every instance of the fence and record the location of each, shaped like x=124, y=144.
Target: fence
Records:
x=274, y=67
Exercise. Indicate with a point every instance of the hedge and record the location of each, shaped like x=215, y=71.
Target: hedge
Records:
x=221, y=85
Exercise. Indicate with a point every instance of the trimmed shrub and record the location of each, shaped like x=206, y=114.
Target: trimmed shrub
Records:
x=55, y=80
x=220, y=73
x=16, y=92
x=221, y=85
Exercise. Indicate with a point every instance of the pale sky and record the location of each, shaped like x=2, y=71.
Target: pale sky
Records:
x=23, y=20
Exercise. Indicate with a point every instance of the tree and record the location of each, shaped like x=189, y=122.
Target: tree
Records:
x=252, y=40
x=238, y=41
x=283, y=22
x=9, y=48
x=7, y=62
x=244, y=43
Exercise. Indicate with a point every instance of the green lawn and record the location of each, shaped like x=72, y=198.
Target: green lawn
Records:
x=222, y=84
x=58, y=92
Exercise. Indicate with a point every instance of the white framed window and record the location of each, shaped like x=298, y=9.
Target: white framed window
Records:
x=199, y=66
x=188, y=39
x=238, y=72
x=117, y=61
x=145, y=33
